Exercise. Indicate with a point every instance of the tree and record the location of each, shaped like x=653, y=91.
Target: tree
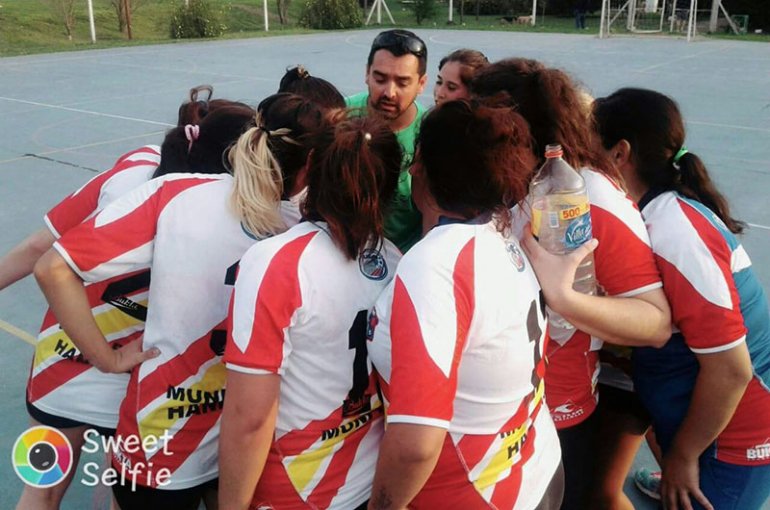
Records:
x=65, y=9
x=283, y=11
x=423, y=9
x=120, y=10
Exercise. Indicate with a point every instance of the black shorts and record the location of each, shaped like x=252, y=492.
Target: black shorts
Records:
x=623, y=402
x=147, y=498
x=59, y=422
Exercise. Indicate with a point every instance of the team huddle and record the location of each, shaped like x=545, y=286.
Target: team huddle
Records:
x=337, y=302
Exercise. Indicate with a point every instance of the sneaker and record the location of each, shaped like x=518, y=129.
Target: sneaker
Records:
x=648, y=482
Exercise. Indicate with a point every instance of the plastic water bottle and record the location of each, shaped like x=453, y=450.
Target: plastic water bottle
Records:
x=561, y=218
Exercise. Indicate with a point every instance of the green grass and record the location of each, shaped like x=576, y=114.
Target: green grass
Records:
x=31, y=26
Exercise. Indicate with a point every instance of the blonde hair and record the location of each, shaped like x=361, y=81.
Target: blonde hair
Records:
x=258, y=180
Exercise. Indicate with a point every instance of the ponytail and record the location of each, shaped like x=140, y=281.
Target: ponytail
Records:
x=352, y=178
x=268, y=159
x=257, y=183
x=656, y=135
x=201, y=148
x=174, y=153
x=693, y=181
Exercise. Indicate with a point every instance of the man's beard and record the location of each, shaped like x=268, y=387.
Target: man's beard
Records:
x=388, y=114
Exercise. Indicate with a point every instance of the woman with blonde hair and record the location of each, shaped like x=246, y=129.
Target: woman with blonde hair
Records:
x=303, y=419
x=190, y=230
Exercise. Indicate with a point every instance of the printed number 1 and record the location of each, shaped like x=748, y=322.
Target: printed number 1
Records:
x=219, y=334
x=535, y=333
x=357, y=401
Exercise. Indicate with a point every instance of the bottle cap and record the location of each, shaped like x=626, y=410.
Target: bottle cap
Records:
x=553, y=151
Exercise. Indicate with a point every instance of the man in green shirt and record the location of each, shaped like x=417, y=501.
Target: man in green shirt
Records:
x=395, y=76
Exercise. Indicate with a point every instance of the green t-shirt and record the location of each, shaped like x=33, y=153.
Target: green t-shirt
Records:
x=403, y=224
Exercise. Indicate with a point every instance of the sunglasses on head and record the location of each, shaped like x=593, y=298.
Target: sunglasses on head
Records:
x=394, y=39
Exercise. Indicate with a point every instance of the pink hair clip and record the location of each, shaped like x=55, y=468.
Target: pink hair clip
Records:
x=192, y=132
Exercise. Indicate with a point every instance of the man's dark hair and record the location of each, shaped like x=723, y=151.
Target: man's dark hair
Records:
x=400, y=42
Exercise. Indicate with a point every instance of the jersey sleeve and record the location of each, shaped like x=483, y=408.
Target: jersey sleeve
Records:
x=624, y=262
x=84, y=202
x=265, y=302
x=430, y=317
x=696, y=263
x=120, y=239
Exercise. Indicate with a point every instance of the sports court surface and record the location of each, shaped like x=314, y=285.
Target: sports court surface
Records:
x=65, y=116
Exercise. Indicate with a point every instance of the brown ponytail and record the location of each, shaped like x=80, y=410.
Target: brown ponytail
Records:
x=694, y=182
x=352, y=176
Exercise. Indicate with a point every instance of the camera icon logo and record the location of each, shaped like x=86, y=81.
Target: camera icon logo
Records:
x=42, y=456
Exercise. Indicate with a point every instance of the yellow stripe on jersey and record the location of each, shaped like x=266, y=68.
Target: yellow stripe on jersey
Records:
x=302, y=468
x=508, y=449
x=539, y=392
x=59, y=344
x=205, y=396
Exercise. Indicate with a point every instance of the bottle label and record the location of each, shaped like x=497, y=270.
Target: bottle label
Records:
x=578, y=232
x=566, y=217
x=573, y=212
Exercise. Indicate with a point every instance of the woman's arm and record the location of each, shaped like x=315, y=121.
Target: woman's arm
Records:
x=20, y=261
x=67, y=298
x=641, y=320
x=408, y=454
x=721, y=382
x=248, y=426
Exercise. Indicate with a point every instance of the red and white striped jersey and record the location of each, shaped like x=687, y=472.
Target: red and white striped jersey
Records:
x=300, y=310
x=459, y=344
x=717, y=303
x=128, y=172
x=181, y=226
x=625, y=266
x=61, y=382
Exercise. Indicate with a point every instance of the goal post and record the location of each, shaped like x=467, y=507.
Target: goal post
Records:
x=633, y=16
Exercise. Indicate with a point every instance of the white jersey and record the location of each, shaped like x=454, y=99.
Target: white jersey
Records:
x=182, y=226
x=300, y=310
x=62, y=383
x=459, y=344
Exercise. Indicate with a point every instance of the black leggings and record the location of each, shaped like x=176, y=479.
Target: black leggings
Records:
x=578, y=453
x=146, y=498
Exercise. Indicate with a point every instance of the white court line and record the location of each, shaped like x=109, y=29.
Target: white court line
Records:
x=155, y=93
x=680, y=59
x=187, y=71
x=17, y=332
x=754, y=225
x=76, y=110
x=356, y=45
x=95, y=144
x=729, y=126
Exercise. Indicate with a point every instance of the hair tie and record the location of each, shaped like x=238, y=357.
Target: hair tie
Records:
x=191, y=132
x=681, y=152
